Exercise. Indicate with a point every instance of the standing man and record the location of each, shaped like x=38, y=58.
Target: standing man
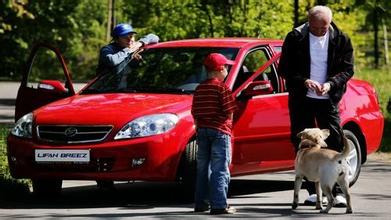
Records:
x=317, y=62
x=122, y=47
x=212, y=110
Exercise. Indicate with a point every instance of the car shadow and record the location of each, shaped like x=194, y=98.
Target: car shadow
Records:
x=134, y=195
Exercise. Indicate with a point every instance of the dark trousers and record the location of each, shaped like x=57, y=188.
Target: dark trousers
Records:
x=308, y=113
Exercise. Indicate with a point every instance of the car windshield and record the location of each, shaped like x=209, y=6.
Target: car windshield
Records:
x=161, y=70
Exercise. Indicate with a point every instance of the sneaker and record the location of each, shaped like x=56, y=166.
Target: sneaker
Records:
x=228, y=210
x=340, y=200
x=311, y=200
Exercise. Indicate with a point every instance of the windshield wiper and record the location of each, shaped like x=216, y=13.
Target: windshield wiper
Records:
x=91, y=91
x=100, y=91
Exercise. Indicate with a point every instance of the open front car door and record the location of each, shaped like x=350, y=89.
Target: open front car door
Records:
x=45, y=79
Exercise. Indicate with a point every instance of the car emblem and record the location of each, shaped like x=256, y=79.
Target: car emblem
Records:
x=70, y=132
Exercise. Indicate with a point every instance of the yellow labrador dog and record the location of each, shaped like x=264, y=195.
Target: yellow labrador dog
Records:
x=323, y=166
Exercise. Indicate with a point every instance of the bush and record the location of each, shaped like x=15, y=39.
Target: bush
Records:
x=8, y=185
x=380, y=79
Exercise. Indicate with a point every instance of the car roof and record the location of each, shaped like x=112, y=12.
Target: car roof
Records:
x=235, y=42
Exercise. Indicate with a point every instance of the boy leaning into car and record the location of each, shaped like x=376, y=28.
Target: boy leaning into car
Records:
x=212, y=110
x=123, y=46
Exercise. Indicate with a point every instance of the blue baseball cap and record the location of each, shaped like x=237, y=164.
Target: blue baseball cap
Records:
x=122, y=30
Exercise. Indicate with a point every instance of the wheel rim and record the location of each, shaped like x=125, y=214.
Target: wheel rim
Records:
x=352, y=160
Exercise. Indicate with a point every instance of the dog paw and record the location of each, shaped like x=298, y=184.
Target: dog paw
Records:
x=349, y=211
x=294, y=205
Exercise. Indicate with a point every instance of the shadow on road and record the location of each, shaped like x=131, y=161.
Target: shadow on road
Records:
x=134, y=195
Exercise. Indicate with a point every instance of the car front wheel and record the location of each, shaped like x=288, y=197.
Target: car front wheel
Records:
x=354, y=157
x=188, y=169
x=46, y=188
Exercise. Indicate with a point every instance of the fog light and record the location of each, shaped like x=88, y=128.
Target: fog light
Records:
x=138, y=161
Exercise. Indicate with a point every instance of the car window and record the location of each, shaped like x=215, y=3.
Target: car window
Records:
x=160, y=70
x=252, y=62
x=277, y=48
x=45, y=66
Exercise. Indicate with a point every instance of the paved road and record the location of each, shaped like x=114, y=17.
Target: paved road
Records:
x=261, y=196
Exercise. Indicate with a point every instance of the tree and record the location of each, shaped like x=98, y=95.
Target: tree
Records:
x=377, y=16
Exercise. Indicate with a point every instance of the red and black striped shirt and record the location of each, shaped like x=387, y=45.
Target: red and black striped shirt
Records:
x=212, y=105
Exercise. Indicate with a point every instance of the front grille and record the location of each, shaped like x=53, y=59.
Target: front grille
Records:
x=73, y=133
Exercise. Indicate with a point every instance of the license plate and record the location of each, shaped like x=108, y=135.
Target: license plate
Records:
x=76, y=156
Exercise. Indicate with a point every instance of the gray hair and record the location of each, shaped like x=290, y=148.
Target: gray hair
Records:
x=320, y=12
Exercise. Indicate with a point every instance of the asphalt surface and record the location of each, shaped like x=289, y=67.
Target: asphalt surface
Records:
x=255, y=197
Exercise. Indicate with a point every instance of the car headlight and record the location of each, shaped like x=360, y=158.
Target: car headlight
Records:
x=23, y=127
x=147, y=126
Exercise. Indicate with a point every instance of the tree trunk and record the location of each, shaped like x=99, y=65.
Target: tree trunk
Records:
x=386, y=57
x=108, y=27
x=204, y=7
x=113, y=21
x=296, y=13
x=376, y=39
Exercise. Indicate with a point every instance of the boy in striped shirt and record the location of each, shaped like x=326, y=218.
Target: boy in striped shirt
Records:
x=212, y=110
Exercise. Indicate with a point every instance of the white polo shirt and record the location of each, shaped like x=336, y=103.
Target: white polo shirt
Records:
x=318, y=53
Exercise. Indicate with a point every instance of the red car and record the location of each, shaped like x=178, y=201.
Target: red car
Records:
x=135, y=123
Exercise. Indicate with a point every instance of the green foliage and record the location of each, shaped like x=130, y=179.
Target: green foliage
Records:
x=8, y=185
x=381, y=80
x=194, y=19
x=4, y=171
x=78, y=27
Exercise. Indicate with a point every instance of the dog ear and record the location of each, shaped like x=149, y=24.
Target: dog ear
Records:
x=300, y=134
x=326, y=133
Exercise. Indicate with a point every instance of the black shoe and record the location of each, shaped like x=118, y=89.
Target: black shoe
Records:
x=201, y=209
x=228, y=210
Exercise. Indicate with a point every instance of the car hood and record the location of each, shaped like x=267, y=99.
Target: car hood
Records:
x=110, y=109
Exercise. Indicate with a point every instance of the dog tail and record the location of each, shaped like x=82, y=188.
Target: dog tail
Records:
x=346, y=149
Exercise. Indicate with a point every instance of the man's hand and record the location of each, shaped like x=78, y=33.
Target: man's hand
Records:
x=149, y=39
x=313, y=85
x=135, y=46
x=325, y=88
x=136, y=55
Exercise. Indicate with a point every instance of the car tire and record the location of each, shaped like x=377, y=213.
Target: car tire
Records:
x=46, y=188
x=105, y=184
x=354, y=157
x=188, y=169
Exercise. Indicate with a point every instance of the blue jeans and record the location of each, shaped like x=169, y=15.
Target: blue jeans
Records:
x=213, y=159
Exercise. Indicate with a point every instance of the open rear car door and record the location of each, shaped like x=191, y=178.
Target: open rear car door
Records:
x=45, y=80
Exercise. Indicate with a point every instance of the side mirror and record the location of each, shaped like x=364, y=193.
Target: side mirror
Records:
x=257, y=88
x=52, y=85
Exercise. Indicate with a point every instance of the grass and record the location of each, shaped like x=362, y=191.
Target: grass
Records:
x=8, y=185
x=381, y=80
